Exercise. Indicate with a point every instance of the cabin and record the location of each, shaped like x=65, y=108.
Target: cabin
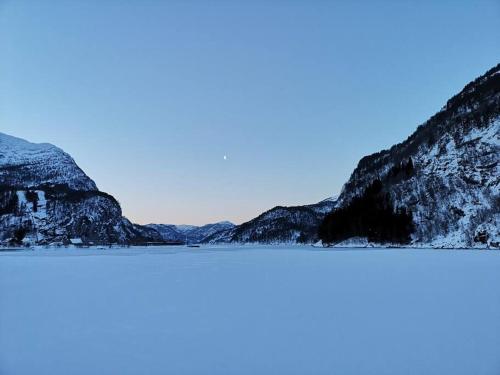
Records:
x=76, y=242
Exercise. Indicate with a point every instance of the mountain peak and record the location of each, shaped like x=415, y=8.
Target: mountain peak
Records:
x=27, y=164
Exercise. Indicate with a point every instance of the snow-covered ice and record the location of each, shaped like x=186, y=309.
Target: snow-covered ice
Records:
x=250, y=310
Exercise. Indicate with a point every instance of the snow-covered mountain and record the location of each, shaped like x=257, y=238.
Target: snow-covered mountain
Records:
x=168, y=232
x=278, y=225
x=28, y=165
x=46, y=198
x=438, y=188
x=445, y=176
x=190, y=233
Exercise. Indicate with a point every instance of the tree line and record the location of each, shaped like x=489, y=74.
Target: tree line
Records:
x=370, y=215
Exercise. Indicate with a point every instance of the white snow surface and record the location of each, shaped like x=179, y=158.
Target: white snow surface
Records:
x=250, y=310
x=16, y=150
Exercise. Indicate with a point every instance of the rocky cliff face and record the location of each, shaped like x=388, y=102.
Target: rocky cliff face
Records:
x=46, y=198
x=452, y=191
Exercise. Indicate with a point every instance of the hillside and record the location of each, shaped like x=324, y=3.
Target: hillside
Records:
x=45, y=198
x=445, y=178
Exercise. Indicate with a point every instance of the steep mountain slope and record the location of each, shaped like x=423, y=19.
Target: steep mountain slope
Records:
x=279, y=225
x=46, y=198
x=445, y=175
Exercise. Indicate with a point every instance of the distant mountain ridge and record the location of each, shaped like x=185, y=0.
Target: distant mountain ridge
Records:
x=294, y=224
x=190, y=233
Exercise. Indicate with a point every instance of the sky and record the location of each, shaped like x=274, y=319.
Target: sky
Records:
x=201, y=111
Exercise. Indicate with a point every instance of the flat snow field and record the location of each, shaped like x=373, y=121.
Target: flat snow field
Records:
x=250, y=310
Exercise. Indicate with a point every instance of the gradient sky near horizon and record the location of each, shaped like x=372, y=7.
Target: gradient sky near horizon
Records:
x=149, y=96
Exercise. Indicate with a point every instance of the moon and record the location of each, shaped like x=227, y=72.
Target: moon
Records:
x=225, y=157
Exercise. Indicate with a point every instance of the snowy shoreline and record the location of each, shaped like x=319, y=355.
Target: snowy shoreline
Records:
x=236, y=246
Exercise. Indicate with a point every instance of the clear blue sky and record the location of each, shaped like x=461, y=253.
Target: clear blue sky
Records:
x=148, y=96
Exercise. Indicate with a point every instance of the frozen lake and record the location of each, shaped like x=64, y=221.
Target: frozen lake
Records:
x=250, y=310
